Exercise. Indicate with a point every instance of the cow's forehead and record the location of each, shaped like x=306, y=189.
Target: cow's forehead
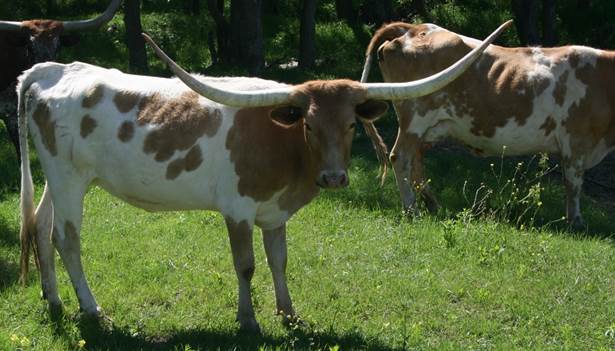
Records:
x=330, y=92
x=43, y=27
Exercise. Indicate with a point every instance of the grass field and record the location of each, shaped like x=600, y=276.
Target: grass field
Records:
x=361, y=276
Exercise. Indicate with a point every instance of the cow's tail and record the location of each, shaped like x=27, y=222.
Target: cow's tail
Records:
x=27, y=234
x=386, y=33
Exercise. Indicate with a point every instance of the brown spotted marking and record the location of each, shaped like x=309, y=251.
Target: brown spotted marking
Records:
x=88, y=124
x=591, y=119
x=126, y=131
x=126, y=100
x=93, y=96
x=559, y=93
x=549, y=125
x=190, y=162
x=180, y=123
x=47, y=127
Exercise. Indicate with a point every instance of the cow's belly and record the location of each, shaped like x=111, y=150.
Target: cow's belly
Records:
x=137, y=178
x=510, y=140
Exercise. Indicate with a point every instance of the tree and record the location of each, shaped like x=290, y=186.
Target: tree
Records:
x=549, y=31
x=307, y=35
x=525, y=20
x=216, y=10
x=247, y=34
x=137, y=57
x=348, y=11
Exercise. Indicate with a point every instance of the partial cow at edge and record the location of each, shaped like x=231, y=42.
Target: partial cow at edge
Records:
x=526, y=100
x=25, y=43
x=254, y=150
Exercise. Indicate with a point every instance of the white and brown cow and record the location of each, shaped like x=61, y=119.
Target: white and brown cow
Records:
x=254, y=150
x=526, y=100
x=25, y=43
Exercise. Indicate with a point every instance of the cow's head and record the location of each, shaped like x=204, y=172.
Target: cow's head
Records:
x=427, y=47
x=328, y=109
x=43, y=38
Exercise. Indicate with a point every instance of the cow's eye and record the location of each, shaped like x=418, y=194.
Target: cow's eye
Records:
x=352, y=125
x=422, y=34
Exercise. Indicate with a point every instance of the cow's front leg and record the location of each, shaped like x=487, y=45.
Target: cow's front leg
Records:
x=275, y=248
x=573, y=178
x=402, y=155
x=240, y=234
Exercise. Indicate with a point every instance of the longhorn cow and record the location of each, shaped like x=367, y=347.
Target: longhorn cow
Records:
x=524, y=100
x=254, y=150
x=25, y=43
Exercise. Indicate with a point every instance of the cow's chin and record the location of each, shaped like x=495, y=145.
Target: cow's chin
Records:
x=330, y=187
x=335, y=183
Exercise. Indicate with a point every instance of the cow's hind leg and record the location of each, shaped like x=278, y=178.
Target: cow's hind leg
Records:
x=407, y=160
x=275, y=248
x=402, y=159
x=240, y=235
x=67, y=197
x=45, y=254
x=573, y=177
x=418, y=180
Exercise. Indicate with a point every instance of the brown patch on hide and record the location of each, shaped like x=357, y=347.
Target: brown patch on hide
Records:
x=179, y=123
x=88, y=124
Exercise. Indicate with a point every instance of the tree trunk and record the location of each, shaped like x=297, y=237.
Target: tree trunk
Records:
x=52, y=8
x=216, y=9
x=525, y=12
x=346, y=11
x=247, y=36
x=376, y=12
x=137, y=58
x=419, y=7
x=307, y=38
x=549, y=25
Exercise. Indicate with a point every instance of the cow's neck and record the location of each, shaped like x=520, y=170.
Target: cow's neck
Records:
x=269, y=158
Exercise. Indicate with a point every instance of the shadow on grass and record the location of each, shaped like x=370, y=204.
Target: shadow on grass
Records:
x=121, y=338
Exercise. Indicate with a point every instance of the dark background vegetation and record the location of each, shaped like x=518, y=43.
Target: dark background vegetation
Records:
x=327, y=37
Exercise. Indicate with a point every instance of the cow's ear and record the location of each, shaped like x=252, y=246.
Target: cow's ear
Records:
x=371, y=110
x=69, y=39
x=286, y=115
x=18, y=39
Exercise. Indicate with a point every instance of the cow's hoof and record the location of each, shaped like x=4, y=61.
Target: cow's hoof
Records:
x=578, y=224
x=249, y=325
x=293, y=321
x=95, y=321
x=411, y=212
x=56, y=311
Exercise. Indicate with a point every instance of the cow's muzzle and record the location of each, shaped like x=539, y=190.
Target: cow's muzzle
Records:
x=332, y=179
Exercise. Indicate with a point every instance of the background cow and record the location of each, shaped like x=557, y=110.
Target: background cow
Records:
x=257, y=154
x=25, y=43
x=526, y=100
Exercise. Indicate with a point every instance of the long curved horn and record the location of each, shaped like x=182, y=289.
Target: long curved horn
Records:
x=10, y=26
x=94, y=22
x=237, y=98
x=425, y=86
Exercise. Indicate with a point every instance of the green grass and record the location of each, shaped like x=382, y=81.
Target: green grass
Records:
x=361, y=276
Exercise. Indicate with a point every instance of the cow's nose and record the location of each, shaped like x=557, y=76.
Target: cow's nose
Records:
x=334, y=179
